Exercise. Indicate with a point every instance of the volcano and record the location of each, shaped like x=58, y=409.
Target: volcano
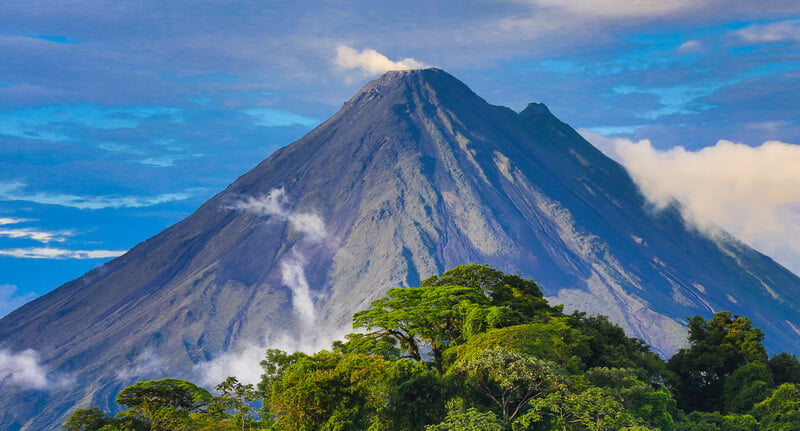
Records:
x=414, y=175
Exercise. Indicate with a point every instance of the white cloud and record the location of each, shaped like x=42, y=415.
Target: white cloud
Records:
x=36, y=235
x=618, y=8
x=10, y=300
x=782, y=31
x=312, y=229
x=59, y=253
x=271, y=204
x=30, y=233
x=270, y=117
x=690, y=47
x=14, y=192
x=751, y=192
x=146, y=365
x=12, y=220
x=310, y=225
x=245, y=363
x=24, y=370
x=275, y=204
x=293, y=276
x=371, y=62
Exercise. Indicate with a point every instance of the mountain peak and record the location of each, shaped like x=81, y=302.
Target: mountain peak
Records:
x=414, y=175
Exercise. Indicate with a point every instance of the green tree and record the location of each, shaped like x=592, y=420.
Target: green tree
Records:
x=523, y=297
x=781, y=410
x=555, y=341
x=446, y=311
x=415, y=395
x=164, y=404
x=87, y=420
x=655, y=407
x=748, y=385
x=508, y=380
x=235, y=399
x=717, y=348
x=785, y=368
x=460, y=418
x=736, y=422
x=591, y=410
x=427, y=316
x=329, y=391
x=608, y=346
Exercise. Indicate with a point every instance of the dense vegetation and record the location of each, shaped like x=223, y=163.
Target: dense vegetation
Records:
x=477, y=349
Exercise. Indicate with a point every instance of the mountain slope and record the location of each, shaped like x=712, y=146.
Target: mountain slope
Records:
x=415, y=174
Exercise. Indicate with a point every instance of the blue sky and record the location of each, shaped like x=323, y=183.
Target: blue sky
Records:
x=118, y=119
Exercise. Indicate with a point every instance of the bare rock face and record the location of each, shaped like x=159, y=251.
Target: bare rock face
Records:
x=414, y=175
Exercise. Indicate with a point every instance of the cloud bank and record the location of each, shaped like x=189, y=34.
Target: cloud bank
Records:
x=14, y=192
x=23, y=370
x=59, y=253
x=371, y=62
x=245, y=363
x=781, y=31
x=618, y=8
x=30, y=233
x=751, y=192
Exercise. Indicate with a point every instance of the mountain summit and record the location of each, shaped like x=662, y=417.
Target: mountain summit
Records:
x=414, y=175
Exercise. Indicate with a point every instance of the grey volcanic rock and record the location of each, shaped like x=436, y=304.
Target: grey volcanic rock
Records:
x=414, y=175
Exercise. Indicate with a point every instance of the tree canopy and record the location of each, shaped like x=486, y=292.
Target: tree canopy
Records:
x=477, y=349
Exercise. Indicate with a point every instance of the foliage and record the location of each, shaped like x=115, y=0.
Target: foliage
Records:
x=329, y=391
x=785, y=368
x=555, y=340
x=507, y=379
x=477, y=349
x=151, y=395
x=781, y=410
x=460, y=418
x=87, y=420
x=234, y=401
x=746, y=386
x=718, y=347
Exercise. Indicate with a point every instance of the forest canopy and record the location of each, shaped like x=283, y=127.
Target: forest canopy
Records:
x=477, y=349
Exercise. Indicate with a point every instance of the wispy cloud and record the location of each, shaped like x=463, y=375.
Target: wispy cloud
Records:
x=30, y=233
x=294, y=277
x=781, y=31
x=168, y=160
x=275, y=204
x=24, y=369
x=311, y=227
x=12, y=220
x=11, y=299
x=307, y=337
x=617, y=8
x=147, y=364
x=751, y=192
x=16, y=192
x=270, y=117
x=244, y=362
x=59, y=253
x=371, y=62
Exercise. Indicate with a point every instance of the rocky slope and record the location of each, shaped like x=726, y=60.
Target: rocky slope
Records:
x=415, y=174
